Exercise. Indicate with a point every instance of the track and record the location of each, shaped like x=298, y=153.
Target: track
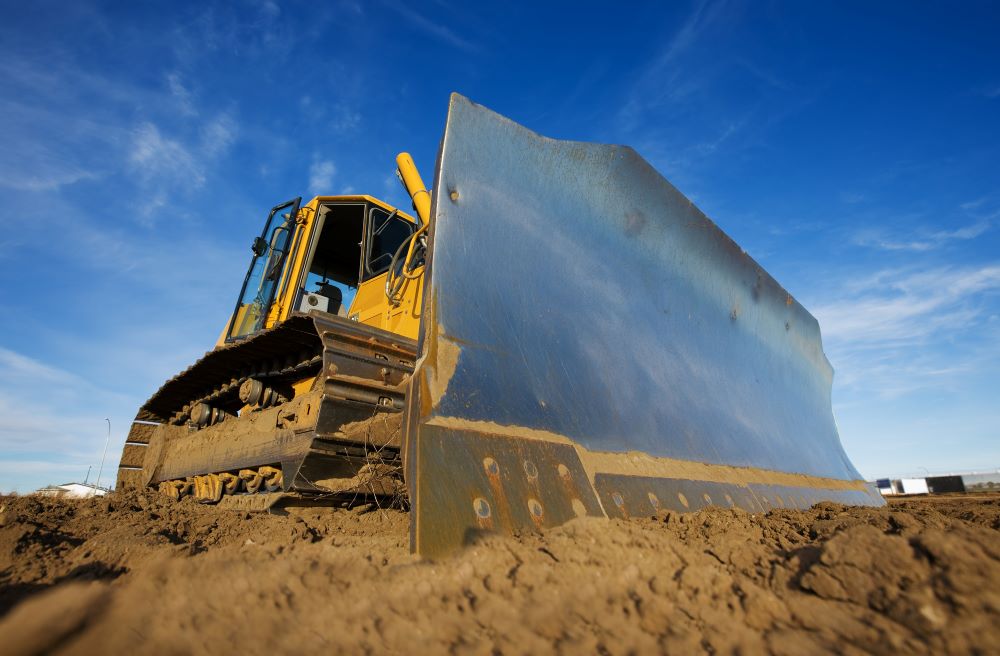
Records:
x=312, y=406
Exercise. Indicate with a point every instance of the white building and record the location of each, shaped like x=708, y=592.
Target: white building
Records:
x=911, y=486
x=72, y=491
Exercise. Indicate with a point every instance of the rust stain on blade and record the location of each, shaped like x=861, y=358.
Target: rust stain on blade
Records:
x=498, y=429
x=636, y=463
x=443, y=366
x=435, y=368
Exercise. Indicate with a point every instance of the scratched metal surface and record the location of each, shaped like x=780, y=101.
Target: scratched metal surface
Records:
x=590, y=298
x=637, y=496
x=469, y=484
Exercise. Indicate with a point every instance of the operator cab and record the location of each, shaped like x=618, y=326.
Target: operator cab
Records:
x=332, y=276
x=317, y=259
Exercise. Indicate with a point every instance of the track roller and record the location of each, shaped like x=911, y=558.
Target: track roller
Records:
x=203, y=415
x=255, y=393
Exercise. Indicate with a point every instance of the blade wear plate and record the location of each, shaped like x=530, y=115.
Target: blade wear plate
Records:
x=575, y=297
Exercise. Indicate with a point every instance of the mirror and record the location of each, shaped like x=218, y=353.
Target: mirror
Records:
x=259, y=246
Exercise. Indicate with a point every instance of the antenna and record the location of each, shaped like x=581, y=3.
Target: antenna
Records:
x=101, y=470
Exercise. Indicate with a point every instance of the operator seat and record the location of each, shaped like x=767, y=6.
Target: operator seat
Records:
x=335, y=296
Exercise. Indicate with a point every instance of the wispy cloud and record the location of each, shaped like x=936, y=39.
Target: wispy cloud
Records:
x=181, y=94
x=45, y=169
x=886, y=332
x=968, y=232
x=972, y=205
x=703, y=15
x=34, y=103
x=340, y=117
x=59, y=380
x=218, y=135
x=922, y=240
x=903, y=306
x=428, y=26
x=92, y=130
x=252, y=29
x=662, y=80
x=156, y=157
x=345, y=118
x=46, y=418
x=321, y=174
x=762, y=74
x=727, y=132
x=726, y=105
x=19, y=368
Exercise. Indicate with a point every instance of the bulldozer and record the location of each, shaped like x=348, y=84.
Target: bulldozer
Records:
x=555, y=331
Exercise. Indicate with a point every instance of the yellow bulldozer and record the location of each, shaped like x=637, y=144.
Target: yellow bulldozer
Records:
x=555, y=332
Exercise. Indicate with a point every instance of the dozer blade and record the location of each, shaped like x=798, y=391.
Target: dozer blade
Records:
x=594, y=345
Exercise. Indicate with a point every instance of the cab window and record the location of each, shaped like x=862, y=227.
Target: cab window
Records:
x=386, y=232
x=336, y=258
x=270, y=253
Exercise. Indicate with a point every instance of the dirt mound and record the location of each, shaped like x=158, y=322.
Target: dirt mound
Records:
x=44, y=541
x=138, y=573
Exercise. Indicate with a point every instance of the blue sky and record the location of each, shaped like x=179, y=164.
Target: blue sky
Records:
x=853, y=149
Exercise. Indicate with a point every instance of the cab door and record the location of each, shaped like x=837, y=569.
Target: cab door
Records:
x=270, y=254
x=385, y=233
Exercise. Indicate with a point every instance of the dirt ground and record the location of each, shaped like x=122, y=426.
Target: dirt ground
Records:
x=139, y=573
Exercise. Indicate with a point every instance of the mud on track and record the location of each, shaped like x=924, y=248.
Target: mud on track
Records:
x=139, y=573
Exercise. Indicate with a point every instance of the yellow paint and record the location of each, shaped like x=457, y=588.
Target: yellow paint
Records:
x=303, y=386
x=370, y=305
x=414, y=186
x=367, y=302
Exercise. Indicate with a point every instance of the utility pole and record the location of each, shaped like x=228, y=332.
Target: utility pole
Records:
x=101, y=470
x=89, y=467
